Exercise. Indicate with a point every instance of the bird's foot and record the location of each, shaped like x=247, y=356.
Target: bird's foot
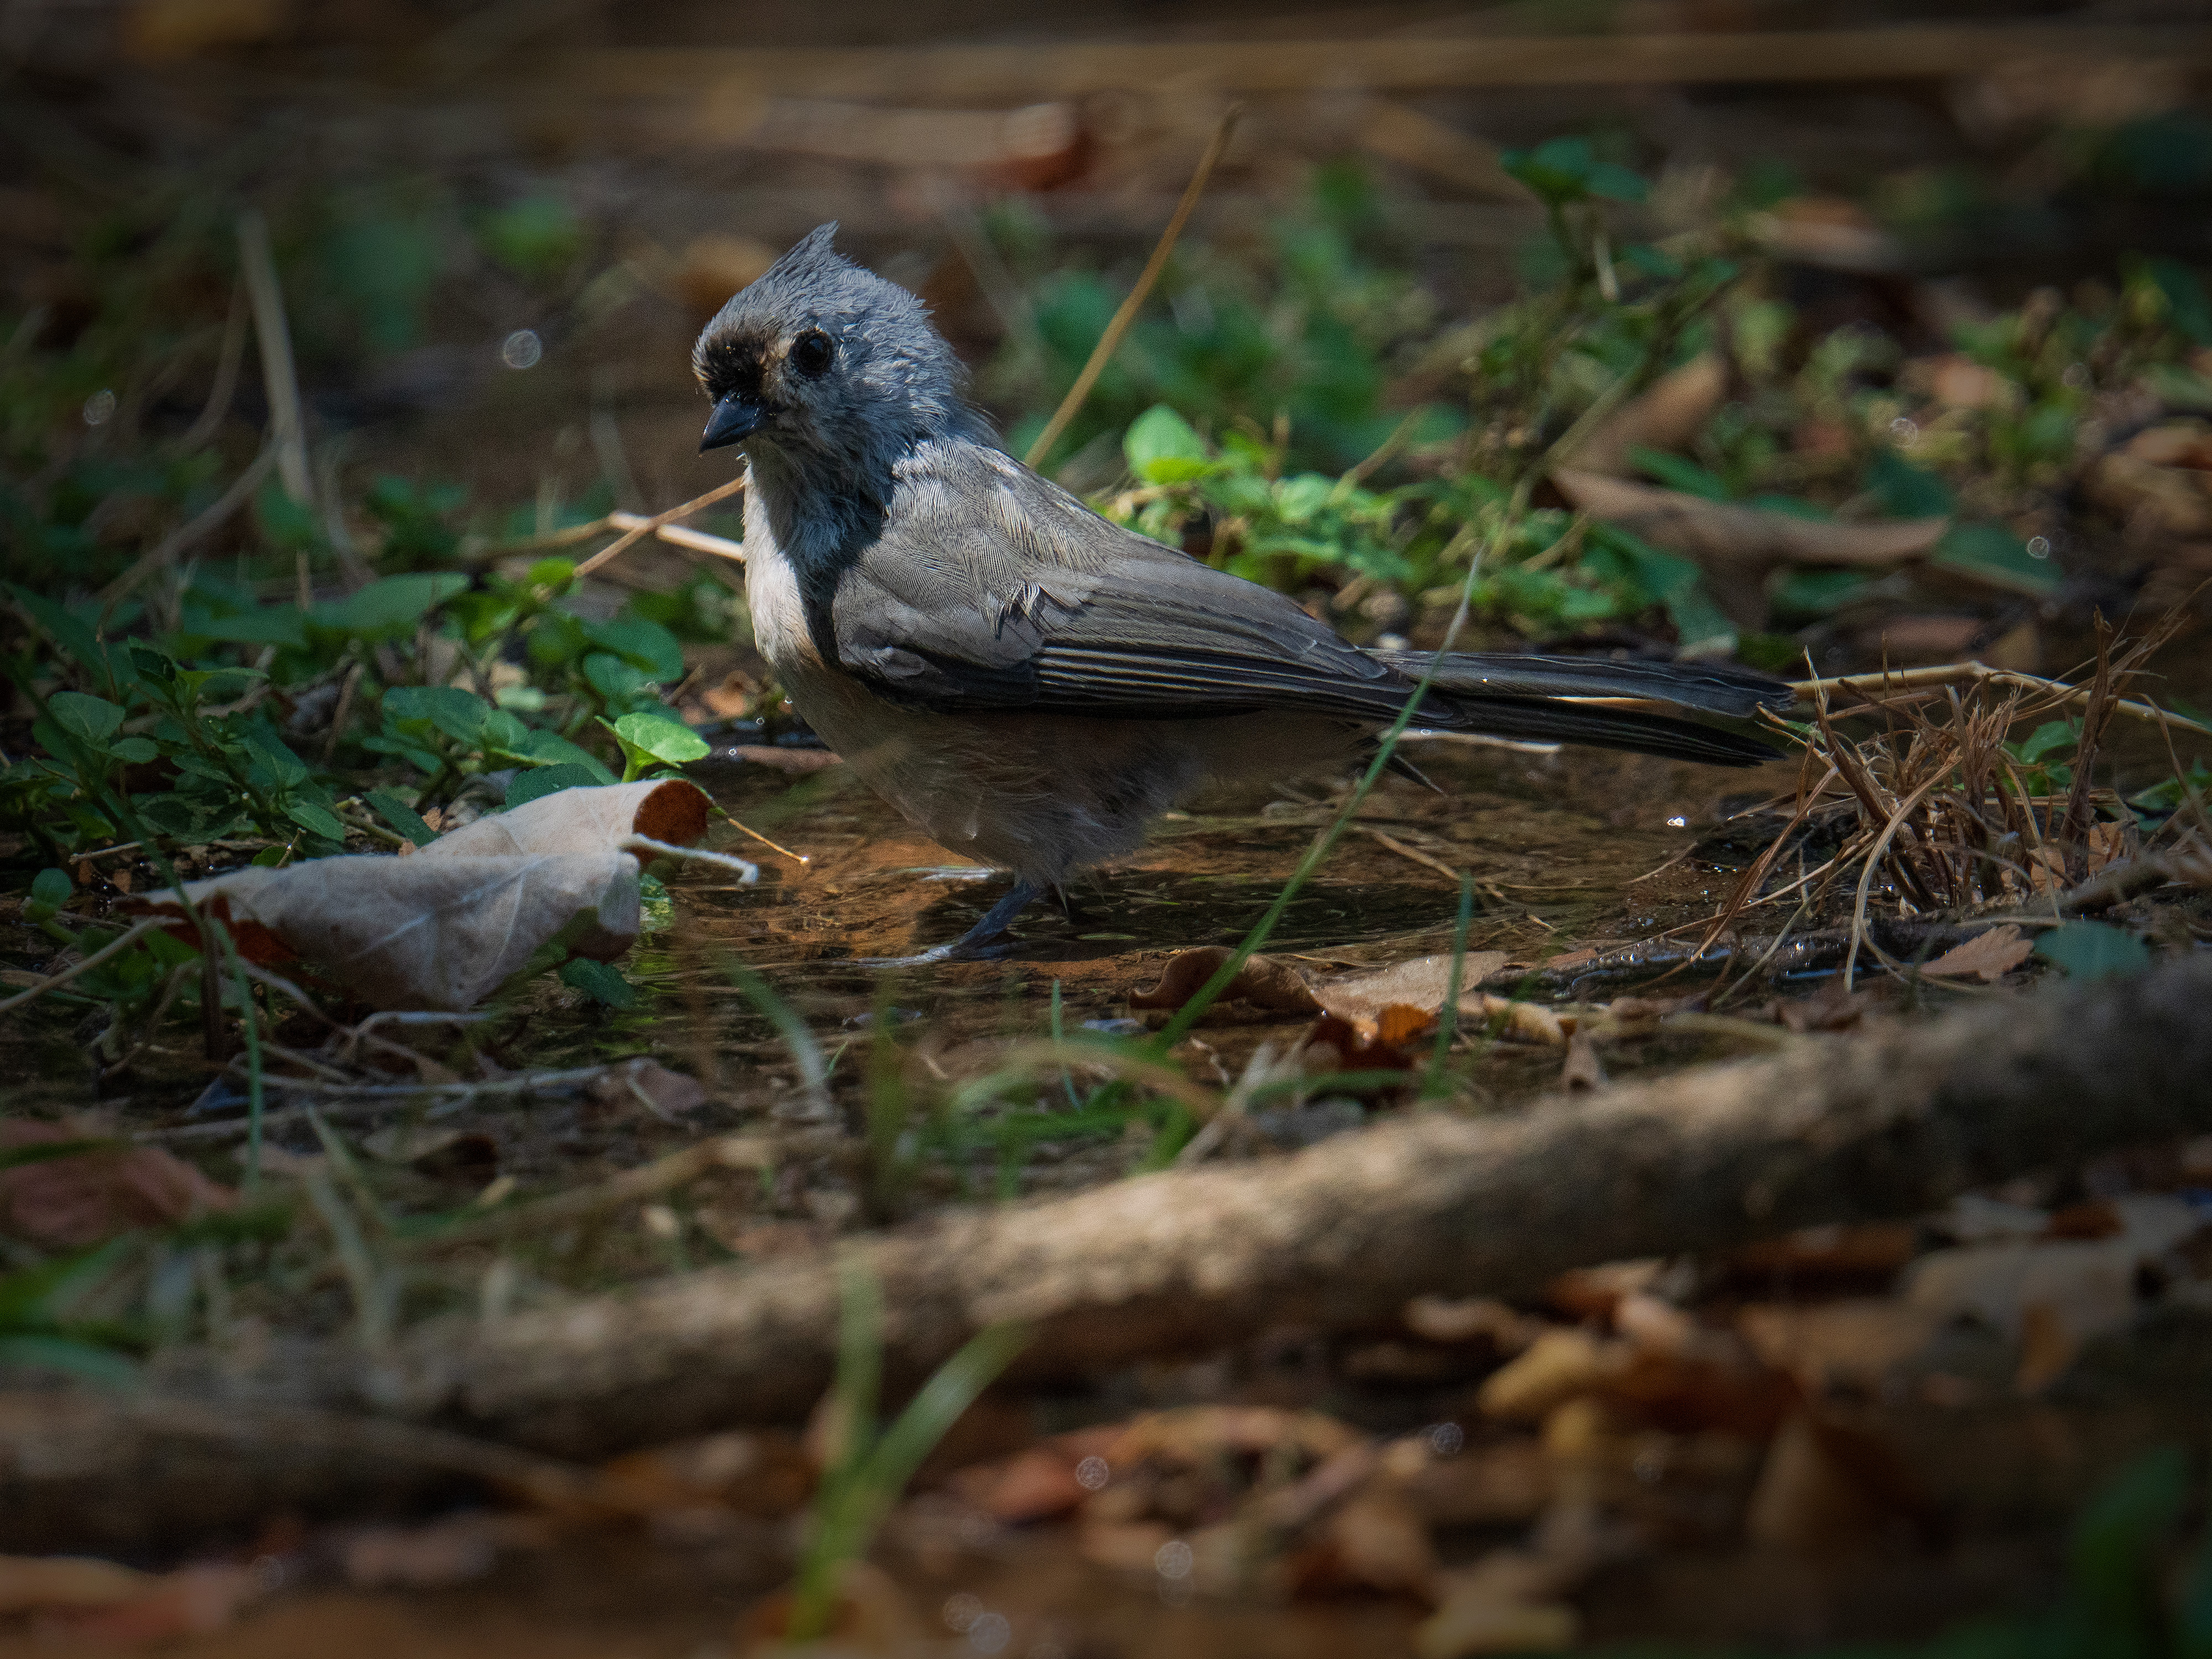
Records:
x=984, y=942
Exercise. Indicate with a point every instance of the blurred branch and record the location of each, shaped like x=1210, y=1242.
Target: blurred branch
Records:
x=1889, y=1123
x=1029, y=70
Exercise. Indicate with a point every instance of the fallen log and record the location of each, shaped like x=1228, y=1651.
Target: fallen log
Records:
x=1889, y=1123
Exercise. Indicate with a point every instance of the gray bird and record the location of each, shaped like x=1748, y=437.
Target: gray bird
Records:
x=1028, y=683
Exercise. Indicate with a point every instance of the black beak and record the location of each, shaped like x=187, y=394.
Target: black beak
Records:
x=734, y=418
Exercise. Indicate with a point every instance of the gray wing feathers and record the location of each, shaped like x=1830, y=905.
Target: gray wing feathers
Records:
x=1005, y=576
x=991, y=588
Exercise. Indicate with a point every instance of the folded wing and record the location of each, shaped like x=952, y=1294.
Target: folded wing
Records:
x=992, y=589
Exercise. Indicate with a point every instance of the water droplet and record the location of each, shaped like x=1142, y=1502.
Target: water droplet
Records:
x=989, y=1633
x=522, y=349
x=1444, y=1439
x=1092, y=1474
x=100, y=408
x=1173, y=1560
x=1905, y=429
x=962, y=1610
x=1677, y=822
x=2038, y=547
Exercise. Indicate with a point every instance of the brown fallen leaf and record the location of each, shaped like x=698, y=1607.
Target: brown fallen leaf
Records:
x=1836, y=1255
x=1832, y=232
x=1987, y=955
x=1465, y=1319
x=2159, y=482
x=762, y=1474
x=1557, y=1366
x=81, y=1199
x=1665, y=414
x=1743, y=544
x=1422, y=982
x=1858, y=1342
x=1583, y=1071
x=1263, y=981
x=1034, y=1484
x=1379, y=1540
x=1807, y=1501
x=667, y=1095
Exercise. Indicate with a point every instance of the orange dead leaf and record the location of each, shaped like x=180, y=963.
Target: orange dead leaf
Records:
x=1263, y=981
x=1987, y=955
x=79, y=1199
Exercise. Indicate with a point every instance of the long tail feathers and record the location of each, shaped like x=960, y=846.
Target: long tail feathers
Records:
x=1536, y=721
x=1711, y=687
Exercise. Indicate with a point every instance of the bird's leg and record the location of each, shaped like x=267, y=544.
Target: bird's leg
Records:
x=976, y=943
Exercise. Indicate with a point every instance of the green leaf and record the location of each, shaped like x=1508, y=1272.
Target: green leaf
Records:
x=37, y=1296
x=2094, y=950
x=645, y=646
x=2051, y=734
x=614, y=679
x=389, y=608
x=102, y=1367
x=1906, y=491
x=599, y=981
x=273, y=752
x=2187, y=307
x=1797, y=593
x=530, y=784
x=282, y=625
x=552, y=749
x=646, y=737
x=89, y=719
x=460, y=714
x=1992, y=554
x=1676, y=473
x=400, y=816
x=2119, y=1538
x=50, y=888
x=1163, y=447
x=42, y=1152
x=314, y=819
x=135, y=750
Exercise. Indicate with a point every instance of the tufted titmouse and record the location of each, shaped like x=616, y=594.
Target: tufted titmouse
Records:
x=1026, y=681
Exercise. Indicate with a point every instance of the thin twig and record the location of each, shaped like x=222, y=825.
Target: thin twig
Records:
x=640, y=528
x=738, y=1151
x=189, y=533
x=220, y=394
x=1110, y=341
x=1897, y=818
x=110, y=949
x=1954, y=673
x=273, y=334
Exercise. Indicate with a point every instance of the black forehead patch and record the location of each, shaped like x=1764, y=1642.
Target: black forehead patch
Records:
x=728, y=361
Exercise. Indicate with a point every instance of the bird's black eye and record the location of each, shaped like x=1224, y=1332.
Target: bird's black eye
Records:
x=811, y=353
